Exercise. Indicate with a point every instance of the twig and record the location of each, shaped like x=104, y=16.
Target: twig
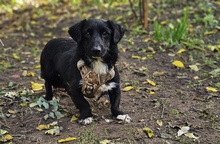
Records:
x=3, y=116
x=162, y=111
x=2, y=42
x=132, y=9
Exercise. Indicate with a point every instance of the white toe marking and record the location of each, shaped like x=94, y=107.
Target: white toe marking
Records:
x=125, y=117
x=86, y=121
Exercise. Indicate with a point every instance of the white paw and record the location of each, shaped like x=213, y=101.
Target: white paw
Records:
x=125, y=117
x=86, y=121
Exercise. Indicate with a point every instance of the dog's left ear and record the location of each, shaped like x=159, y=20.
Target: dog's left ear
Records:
x=75, y=31
x=118, y=32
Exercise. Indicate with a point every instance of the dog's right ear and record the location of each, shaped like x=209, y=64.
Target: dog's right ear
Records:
x=75, y=31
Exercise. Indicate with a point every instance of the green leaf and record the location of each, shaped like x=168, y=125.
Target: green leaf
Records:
x=58, y=114
x=45, y=104
x=51, y=114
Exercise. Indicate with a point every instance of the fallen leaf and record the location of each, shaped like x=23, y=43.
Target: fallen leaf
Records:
x=104, y=142
x=6, y=137
x=36, y=86
x=152, y=92
x=15, y=56
x=135, y=57
x=159, y=122
x=165, y=136
x=151, y=82
x=156, y=73
x=183, y=130
x=33, y=104
x=43, y=127
x=2, y=132
x=178, y=63
x=191, y=135
x=194, y=67
x=128, y=88
x=11, y=111
x=181, y=51
x=148, y=131
x=54, y=131
x=211, y=32
x=211, y=89
x=37, y=67
x=73, y=119
x=67, y=139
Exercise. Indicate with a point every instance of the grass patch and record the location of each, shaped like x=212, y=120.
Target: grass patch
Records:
x=173, y=33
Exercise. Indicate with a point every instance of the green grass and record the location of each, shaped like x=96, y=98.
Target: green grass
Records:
x=174, y=33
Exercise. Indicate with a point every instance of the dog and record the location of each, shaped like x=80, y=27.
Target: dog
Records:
x=92, y=48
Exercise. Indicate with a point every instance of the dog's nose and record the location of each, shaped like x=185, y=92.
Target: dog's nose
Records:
x=96, y=50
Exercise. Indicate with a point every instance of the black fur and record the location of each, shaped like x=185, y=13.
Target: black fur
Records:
x=91, y=40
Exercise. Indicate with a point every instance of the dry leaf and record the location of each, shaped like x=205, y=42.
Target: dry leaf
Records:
x=181, y=51
x=11, y=111
x=152, y=92
x=211, y=32
x=36, y=86
x=194, y=67
x=191, y=135
x=67, y=139
x=135, y=57
x=37, y=67
x=73, y=119
x=183, y=130
x=43, y=127
x=159, y=122
x=53, y=131
x=178, y=63
x=151, y=82
x=104, y=141
x=15, y=56
x=128, y=88
x=211, y=89
x=148, y=131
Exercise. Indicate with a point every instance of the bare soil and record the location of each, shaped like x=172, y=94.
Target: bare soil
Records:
x=179, y=98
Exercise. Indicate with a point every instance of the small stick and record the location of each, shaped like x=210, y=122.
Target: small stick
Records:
x=2, y=42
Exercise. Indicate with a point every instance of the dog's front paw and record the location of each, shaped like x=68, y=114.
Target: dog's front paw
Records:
x=86, y=121
x=124, y=117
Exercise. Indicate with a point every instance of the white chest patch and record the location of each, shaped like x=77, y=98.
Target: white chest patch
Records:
x=99, y=67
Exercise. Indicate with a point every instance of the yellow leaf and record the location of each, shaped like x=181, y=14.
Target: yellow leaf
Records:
x=151, y=82
x=43, y=127
x=74, y=118
x=36, y=86
x=164, y=22
x=67, y=139
x=149, y=132
x=196, y=77
x=54, y=131
x=128, y=88
x=15, y=56
x=105, y=141
x=191, y=135
x=31, y=74
x=11, y=111
x=159, y=122
x=152, y=92
x=8, y=137
x=37, y=67
x=211, y=32
x=143, y=58
x=211, y=89
x=135, y=57
x=178, y=63
x=23, y=104
x=143, y=68
x=181, y=51
x=156, y=73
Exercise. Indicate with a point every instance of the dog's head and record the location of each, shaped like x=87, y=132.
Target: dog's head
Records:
x=96, y=37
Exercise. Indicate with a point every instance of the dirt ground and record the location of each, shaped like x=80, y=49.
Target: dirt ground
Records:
x=178, y=99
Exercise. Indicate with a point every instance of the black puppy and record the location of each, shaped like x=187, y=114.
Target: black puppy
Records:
x=94, y=42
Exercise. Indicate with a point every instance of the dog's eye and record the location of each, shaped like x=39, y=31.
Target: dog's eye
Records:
x=87, y=34
x=104, y=34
